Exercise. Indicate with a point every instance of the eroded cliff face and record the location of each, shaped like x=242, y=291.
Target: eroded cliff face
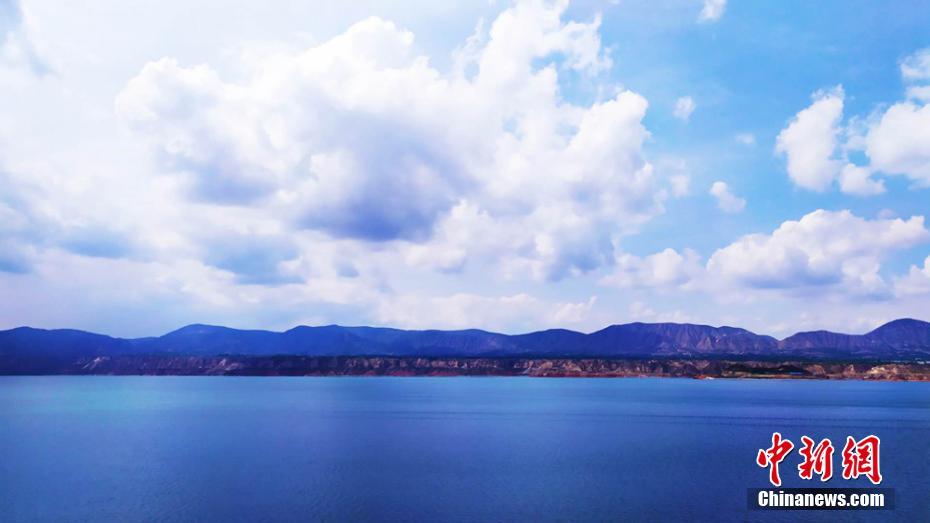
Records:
x=535, y=367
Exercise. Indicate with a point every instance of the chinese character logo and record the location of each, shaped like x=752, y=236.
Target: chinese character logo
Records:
x=817, y=460
x=860, y=458
x=772, y=456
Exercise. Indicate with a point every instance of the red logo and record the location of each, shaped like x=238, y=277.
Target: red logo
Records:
x=860, y=458
x=817, y=460
x=774, y=455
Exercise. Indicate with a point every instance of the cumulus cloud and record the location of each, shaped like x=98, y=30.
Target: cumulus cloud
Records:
x=823, y=248
x=726, y=200
x=915, y=282
x=316, y=184
x=895, y=140
x=347, y=158
x=828, y=252
x=667, y=269
x=712, y=10
x=810, y=140
x=684, y=106
x=360, y=179
x=360, y=137
x=858, y=180
x=825, y=270
x=916, y=66
x=899, y=143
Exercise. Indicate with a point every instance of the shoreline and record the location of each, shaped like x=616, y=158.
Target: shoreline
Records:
x=229, y=365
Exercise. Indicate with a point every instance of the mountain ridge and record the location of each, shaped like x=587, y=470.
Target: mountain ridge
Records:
x=902, y=339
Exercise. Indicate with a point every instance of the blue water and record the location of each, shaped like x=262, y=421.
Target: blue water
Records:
x=427, y=449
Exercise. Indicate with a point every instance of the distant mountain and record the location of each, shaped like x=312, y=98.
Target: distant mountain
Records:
x=674, y=339
x=904, y=339
x=816, y=340
x=560, y=342
x=209, y=340
x=36, y=350
x=904, y=333
x=59, y=343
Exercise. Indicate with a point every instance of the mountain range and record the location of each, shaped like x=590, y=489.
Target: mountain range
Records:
x=899, y=340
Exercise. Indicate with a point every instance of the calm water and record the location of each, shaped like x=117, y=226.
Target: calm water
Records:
x=415, y=449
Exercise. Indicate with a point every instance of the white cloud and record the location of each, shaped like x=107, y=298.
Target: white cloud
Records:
x=18, y=227
x=895, y=140
x=361, y=138
x=915, y=282
x=676, y=172
x=514, y=313
x=324, y=151
x=822, y=271
x=268, y=203
x=726, y=200
x=857, y=180
x=746, y=138
x=684, y=106
x=16, y=46
x=916, y=66
x=712, y=10
x=810, y=141
x=899, y=143
x=572, y=313
x=919, y=92
x=639, y=311
x=830, y=253
x=681, y=184
x=315, y=183
x=36, y=213
x=667, y=269
x=822, y=249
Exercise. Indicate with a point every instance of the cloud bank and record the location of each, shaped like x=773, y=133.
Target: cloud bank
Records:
x=517, y=182
x=895, y=139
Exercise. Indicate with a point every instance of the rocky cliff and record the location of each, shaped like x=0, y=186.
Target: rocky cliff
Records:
x=531, y=367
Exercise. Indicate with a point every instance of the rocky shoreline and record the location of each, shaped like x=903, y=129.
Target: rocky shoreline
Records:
x=413, y=366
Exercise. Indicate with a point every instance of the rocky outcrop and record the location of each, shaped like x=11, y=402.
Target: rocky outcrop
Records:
x=532, y=367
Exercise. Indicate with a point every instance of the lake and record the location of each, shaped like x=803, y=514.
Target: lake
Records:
x=99, y=448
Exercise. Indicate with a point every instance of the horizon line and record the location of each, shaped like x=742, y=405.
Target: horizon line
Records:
x=460, y=329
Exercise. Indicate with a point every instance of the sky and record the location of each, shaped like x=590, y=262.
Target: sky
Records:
x=505, y=166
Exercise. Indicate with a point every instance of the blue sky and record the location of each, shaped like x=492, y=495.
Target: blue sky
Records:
x=509, y=166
